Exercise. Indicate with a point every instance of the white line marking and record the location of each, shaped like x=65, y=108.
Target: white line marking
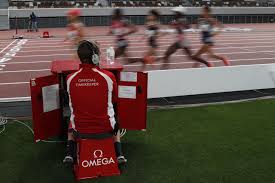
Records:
x=104, y=49
x=226, y=53
x=4, y=72
x=218, y=39
x=49, y=61
x=15, y=83
x=31, y=62
x=132, y=46
x=7, y=46
x=15, y=99
x=215, y=61
x=195, y=35
x=155, y=64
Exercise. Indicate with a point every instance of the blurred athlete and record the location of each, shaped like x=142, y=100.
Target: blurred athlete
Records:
x=207, y=24
x=152, y=32
x=179, y=24
x=75, y=29
x=121, y=28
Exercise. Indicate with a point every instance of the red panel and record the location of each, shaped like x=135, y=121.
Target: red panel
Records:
x=68, y=66
x=45, y=124
x=132, y=113
x=64, y=66
x=96, y=157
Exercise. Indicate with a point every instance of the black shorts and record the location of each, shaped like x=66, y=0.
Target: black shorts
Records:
x=208, y=41
x=122, y=44
x=182, y=44
x=152, y=42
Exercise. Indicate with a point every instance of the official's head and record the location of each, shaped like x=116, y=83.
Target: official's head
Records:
x=88, y=52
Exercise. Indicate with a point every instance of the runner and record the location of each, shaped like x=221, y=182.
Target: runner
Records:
x=152, y=33
x=75, y=29
x=179, y=24
x=207, y=24
x=121, y=28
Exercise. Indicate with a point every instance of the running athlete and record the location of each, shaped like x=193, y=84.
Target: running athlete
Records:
x=152, y=32
x=75, y=29
x=121, y=28
x=179, y=24
x=207, y=24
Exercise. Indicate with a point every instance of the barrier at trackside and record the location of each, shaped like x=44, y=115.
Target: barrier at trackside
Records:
x=183, y=82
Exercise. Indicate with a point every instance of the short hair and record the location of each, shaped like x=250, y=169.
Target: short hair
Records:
x=207, y=8
x=117, y=13
x=86, y=50
x=154, y=13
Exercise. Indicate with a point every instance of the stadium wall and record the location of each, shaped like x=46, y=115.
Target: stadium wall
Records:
x=4, y=19
x=185, y=82
x=56, y=17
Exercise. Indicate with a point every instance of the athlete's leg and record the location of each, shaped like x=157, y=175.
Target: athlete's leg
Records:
x=201, y=51
x=118, y=52
x=171, y=50
x=213, y=55
x=196, y=58
x=149, y=58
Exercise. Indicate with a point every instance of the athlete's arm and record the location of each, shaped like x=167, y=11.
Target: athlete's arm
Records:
x=80, y=34
x=132, y=29
x=217, y=24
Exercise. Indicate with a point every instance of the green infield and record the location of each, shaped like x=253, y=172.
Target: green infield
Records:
x=232, y=143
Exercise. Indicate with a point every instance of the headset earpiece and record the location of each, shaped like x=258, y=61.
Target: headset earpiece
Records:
x=95, y=59
x=95, y=54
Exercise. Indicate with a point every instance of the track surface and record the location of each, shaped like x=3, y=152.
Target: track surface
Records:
x=32, y=57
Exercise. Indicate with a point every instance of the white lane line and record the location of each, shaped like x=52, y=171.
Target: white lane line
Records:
x=31, y=62
x=213, y=61
x=104, y=49
x=226, y=53
x=15, y=99
x=220, y=39
x=144, y=45
x=39, y=70
x=169, y=63
x=224, y=34
x=15, y=83
x=8, y=46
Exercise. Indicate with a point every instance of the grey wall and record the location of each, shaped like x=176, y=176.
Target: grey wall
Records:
x=59, y=12
x=101, y=16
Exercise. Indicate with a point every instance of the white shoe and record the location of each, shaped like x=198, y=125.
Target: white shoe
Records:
x=121, y=160
x=68, y=159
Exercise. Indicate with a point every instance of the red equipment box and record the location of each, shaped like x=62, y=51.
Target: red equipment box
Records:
x=46, y=93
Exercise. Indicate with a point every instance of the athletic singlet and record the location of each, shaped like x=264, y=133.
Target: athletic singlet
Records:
x=119, y=28
x=73, y=28
x=206, y=27
x=179, y=26
x=152, y=30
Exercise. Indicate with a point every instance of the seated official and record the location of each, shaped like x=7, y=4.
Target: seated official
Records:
x=92, y=94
